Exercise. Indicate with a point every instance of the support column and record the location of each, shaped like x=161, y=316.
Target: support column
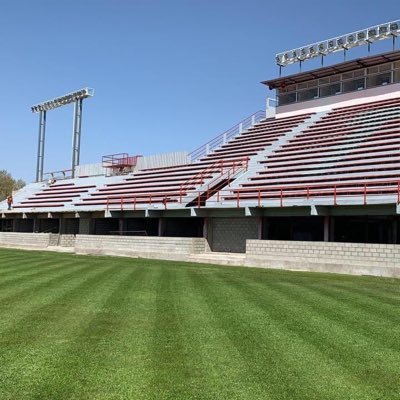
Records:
x=121, y=226
x=161, y=223
x=35, y=224
x=61, y=224
x=205, y=228
x=41, y=142
x=76, y=136
x=15, y=225
x=327, y=221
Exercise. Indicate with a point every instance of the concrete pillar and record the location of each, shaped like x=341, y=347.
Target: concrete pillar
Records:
x=35, y=224
x=14, y=227
x=121, y=226
x=62, y=226
x=205, y=228
x=326, y=228
x=161, y=224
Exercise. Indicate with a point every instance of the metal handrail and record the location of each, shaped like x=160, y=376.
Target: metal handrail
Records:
x=262, y=194
x=119, y=160
x=234, y=167
x=220, y=166
x=64, y=173
x=219, y=140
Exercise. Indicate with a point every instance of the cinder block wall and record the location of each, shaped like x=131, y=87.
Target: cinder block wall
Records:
x=24, y=240
x=174, y=248
x=347, y=258
x=230, y=234
x=67, y=240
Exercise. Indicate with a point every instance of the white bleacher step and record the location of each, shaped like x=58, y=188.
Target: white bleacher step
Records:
x=27, y=191
x=254, y=165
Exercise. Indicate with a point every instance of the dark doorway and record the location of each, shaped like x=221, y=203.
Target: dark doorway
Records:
x=23, y=225
x=293, y=228
x=106, y=226
x=182, y=227
x=371, y=229
x=140, y=227
x=6, y=225
x=48, y=225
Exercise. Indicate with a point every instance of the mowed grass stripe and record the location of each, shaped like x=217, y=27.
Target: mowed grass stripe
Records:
x=18, y=304
x=15, y=268
x=224, y=372
x=172, y=366
x=38, y=270
x=376, y=320
x=390, y=295
x=366, y=302
x=275, y=360
x=124, y=369
x=355, y=357
x=55, y=321
x=381, y=328
x=105, y=327
x=75, y=359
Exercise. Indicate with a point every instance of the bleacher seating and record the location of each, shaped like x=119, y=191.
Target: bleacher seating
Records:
x=342, y=152
x=171, y=184
x=347, y=151
x=56, y=195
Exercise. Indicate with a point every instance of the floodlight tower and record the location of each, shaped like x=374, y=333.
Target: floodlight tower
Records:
x=77, y=98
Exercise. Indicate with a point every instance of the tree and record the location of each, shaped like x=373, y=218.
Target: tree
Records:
x=8, y=184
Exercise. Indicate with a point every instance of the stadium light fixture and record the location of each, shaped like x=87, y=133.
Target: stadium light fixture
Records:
x=340, y=43
x=77, y=98
x=63, y=100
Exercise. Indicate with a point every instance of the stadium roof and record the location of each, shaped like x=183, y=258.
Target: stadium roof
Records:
x=333, y=69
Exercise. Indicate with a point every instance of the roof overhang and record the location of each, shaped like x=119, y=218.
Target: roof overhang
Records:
x=333, y=70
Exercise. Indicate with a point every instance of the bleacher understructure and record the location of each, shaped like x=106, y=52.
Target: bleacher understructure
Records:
x=324, y=172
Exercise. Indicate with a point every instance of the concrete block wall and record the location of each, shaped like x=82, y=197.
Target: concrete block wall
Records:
x=24, y=240
x=346, y=258
x=230, y=234
x=67, y=240
x=174, y=248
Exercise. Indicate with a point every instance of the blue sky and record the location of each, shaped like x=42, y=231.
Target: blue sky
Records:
x=168, y=74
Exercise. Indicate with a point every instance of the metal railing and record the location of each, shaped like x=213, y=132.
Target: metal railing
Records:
x=224, y=137
x=258, y=197
x=119, y=160
x=317, y=91
x=220, y=166
x=58, y=175
x=333, y=191
x=226, y=169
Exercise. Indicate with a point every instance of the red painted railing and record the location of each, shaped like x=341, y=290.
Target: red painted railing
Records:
x=120, y=160
x=224, y=168
x=262, y=196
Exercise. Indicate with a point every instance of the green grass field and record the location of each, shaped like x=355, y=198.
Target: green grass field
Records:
x=76, y=327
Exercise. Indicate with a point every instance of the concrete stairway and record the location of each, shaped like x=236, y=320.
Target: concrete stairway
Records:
x=254, y=165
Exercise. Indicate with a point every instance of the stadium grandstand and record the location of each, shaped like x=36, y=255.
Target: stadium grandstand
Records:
x=321, y=163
